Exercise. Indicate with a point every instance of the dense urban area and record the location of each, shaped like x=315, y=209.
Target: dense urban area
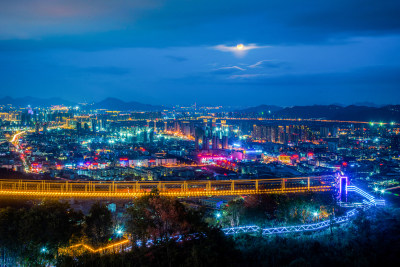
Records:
x=179, y=133
x=310, y=161
x=193, y=143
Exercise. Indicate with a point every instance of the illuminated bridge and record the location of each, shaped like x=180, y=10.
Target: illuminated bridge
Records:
x=100, y=189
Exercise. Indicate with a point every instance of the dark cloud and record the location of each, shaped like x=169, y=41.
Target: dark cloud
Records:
x=370, y=76
x=365, y=84
x=355, y=16
x=82, y=25
x=161, y=50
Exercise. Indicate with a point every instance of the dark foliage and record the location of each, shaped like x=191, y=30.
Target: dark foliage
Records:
x=268, y=210
x=33, y=235
x=161, y=218
x=213, y=250
x=98, y=224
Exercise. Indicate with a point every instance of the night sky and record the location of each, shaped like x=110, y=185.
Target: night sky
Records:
x=184, y=51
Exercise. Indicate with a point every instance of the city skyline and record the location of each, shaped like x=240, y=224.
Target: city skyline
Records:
x=199, y=133
x=176, y=52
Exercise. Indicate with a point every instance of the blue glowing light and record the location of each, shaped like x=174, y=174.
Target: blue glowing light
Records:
x=119, y=231
x=368, y=202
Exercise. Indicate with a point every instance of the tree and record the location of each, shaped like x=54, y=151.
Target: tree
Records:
x=233, y=212
x=98, y=224
x=46, y=227
x=9, y=232
x=361, y=225
x=159, y=218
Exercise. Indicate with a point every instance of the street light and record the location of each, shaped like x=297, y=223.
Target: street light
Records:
x=315, y=214
x=376, y=189
x=218, y=215
x=382, y=191
x=119, y=231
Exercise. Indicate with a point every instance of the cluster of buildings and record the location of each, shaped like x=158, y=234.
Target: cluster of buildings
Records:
x=192, y=143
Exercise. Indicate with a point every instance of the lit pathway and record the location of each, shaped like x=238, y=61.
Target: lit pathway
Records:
x=98, y=189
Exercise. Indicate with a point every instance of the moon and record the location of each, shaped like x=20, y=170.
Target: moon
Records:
x=240, y=46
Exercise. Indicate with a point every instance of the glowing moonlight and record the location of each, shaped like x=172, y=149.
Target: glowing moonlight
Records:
x=240, y=46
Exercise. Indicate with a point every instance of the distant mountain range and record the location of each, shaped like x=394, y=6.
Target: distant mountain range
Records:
x=108, y=103
x=359, y=112
x=117, y=104
x=333, y=112
x=262, y=108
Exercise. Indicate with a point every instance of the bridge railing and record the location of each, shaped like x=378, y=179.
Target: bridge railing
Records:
x=367, y=203
x=172, y=188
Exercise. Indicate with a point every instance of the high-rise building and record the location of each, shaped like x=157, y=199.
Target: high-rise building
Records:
x=93, y=123
x=151, y=136
x=198, y=133
x=324, y=132
x=214, y=142
x=224, y=142
x=205, y=145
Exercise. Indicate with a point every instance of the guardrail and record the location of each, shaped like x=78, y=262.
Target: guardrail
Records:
x=368, y=202
x=289, y=229
x=100, y=189
x=369, y=197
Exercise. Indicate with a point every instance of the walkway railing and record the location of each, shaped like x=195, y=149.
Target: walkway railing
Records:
x=368, y=202
x=370, y=198
x=289, y=229
x=100, y=189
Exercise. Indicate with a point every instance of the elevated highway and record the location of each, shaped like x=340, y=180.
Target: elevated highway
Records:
x=101, y=189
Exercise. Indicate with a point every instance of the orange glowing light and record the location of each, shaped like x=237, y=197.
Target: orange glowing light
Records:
x=240, y=46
